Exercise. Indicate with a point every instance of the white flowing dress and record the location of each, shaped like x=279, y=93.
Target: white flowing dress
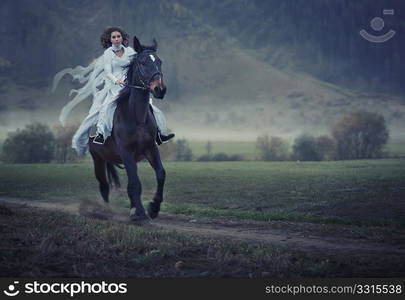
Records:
x=99, y=83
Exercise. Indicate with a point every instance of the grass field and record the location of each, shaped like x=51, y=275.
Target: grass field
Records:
x=52, y=244
x=356, y=199
x=369, y=191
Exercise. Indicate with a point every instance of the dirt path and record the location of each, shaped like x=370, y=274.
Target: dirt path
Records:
x=234, y=231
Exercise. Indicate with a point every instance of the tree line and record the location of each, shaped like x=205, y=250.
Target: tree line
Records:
x=358, y=135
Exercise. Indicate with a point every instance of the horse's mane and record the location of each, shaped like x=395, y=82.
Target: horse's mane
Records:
x=124, y=94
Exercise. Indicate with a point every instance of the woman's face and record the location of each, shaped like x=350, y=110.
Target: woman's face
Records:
x=116, y=38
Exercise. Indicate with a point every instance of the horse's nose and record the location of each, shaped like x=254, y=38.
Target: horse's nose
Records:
x=160, y=90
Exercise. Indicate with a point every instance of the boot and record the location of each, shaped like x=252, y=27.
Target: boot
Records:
x=99, y=139
x=161, y=138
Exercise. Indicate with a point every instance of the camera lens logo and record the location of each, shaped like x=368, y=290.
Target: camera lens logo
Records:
x=377, y=24
x=11, y=291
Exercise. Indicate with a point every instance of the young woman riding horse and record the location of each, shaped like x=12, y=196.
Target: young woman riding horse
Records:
x=129, y=127
x=134, y=131
x=108, y=71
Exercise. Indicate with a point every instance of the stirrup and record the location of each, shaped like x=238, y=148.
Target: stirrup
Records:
x=161, y=138
x=99, y=139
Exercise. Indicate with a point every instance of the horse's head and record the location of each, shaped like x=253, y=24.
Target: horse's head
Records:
x=147, y=69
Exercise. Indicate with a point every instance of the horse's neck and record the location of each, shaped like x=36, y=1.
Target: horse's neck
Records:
x=139, y=106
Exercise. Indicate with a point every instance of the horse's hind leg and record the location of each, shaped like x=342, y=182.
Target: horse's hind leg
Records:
x=113, y=175
x=155, y=161
x=101, y=175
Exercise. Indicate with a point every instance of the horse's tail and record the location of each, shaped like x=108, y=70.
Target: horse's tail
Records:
x=112, y=175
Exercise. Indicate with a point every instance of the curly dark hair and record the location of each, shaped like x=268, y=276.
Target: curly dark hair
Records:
x=105, y=38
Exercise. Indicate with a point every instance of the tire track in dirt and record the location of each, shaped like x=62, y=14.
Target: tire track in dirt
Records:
x=236, y=232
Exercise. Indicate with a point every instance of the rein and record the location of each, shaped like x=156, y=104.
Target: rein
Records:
x=136, y=87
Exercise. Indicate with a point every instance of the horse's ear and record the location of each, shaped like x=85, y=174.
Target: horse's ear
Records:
x=153, y=47
x=155, y=44
x=137, y=45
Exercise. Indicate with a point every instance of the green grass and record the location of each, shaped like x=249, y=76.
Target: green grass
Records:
x=354, y=199
x=53, y=244
x=246, y=149
x=369, y=192
x=187, y=209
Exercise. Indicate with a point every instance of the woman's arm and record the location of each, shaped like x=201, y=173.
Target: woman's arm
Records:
x=108, y=67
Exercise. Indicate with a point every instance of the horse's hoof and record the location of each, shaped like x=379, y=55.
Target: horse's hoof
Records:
x=139, y=220
x=153, y=210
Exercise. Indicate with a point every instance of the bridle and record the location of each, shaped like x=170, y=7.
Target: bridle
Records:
x=136, y=87
x=140, y=75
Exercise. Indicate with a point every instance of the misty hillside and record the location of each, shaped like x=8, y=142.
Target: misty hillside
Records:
x=319, y=37
x=235, y=67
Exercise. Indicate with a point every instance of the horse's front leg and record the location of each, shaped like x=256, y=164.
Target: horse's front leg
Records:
x=154, y=159
x=137, y=212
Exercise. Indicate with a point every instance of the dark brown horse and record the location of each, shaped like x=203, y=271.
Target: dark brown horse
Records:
x=133, y=134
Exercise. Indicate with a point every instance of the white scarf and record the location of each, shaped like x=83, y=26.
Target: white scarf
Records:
x=117, y=48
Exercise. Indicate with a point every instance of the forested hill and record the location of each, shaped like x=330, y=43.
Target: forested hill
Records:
x=318, y=37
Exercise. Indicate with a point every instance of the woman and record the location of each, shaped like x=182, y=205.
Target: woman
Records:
x=108, y=71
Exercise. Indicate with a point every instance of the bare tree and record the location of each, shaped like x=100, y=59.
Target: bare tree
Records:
x=272, y=148
x=360, y=135
x=208, y=147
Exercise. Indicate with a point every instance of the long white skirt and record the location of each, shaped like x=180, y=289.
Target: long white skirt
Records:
x=102, y=116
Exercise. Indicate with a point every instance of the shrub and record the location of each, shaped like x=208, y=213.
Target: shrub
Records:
x=309, y=148
x=177, y=151
x=360, y=135
x=220, y=157
x=272, y=148
x=306, y=148
x=63, y=143
x=33, y=144
x=183, y=151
